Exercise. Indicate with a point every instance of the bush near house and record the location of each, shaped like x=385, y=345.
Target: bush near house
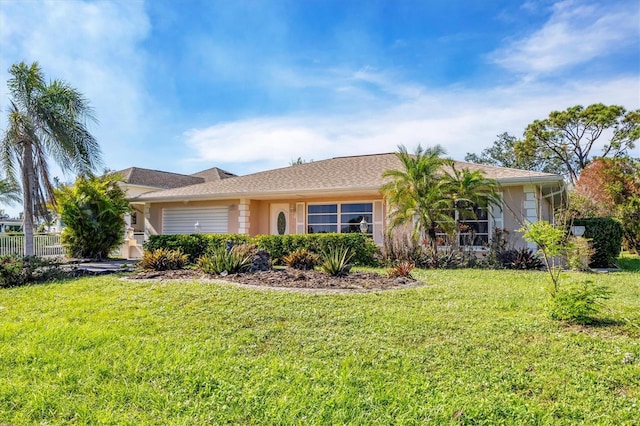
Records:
x=366, y=252
x=605, y=234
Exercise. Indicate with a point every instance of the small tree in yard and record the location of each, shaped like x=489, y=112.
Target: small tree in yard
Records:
x=576, y=303
x=92, y=211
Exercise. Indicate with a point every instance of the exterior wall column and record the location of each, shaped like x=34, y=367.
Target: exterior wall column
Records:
x=147, y=221
x=244, y=216
x=530, y=207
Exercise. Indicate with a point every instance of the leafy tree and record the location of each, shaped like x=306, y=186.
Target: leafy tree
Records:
x=509, y=151
x=92, y=211
x=569, y=136
x=425, y=193
x=46, y=120
x=611, y=187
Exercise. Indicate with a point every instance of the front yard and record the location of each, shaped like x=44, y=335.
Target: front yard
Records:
x=470, y=347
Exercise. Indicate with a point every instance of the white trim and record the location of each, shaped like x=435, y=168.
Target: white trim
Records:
x=339, y=211
x=301, y=214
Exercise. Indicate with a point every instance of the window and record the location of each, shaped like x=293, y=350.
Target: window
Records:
x=473, y=227
x=343, y=218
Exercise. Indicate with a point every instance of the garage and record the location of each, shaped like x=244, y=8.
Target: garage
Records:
x=211, y=220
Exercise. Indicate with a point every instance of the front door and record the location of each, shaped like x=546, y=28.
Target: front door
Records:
x=279, y=219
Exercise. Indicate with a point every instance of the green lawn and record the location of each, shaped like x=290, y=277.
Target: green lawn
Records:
x=470, y=347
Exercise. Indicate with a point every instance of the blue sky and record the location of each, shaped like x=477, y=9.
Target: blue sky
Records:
x=250, y=85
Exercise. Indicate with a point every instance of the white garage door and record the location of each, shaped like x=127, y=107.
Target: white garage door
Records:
x=212, y=220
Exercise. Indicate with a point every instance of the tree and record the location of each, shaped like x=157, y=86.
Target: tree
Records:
x=416, y=192
x=93, y=213
x=46, y=120
x=570, y=135
x=426, y=194
x=509, y=151
x=611, y=187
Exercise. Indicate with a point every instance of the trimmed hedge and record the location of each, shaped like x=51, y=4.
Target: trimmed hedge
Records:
x=194, y=245
x=366, y=252
x=606, y=236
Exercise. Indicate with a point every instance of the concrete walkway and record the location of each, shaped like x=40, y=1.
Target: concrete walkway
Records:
x=109, y=266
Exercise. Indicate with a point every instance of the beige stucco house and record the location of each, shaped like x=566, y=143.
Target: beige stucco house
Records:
x=332, y=195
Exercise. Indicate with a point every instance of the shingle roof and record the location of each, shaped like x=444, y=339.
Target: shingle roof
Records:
x=362, y=174
x=157, y=178
x=214, y=174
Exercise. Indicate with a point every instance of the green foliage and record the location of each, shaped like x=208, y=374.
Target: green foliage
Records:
x=578, y=303
x=579, y=253
x=428, y=189
x=509, y=151
x=605, y=234
x=569, y=135
x=221, y=261
x=93, y=213
x=366, y=252
x=46, y=119
x=335, y=261
x=194, y=245
x=163, y=260
x=9, y=191
x=551, y=242
x=16, y=270
x=301, y=259
x=629, y=216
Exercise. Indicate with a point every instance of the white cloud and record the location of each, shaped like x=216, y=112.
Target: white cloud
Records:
x=462, y=120
x=576, y=33
x=95, y=48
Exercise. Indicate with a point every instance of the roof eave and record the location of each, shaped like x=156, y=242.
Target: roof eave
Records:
x=315, y=192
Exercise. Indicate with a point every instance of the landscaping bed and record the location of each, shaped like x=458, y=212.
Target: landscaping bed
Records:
x=290, y=278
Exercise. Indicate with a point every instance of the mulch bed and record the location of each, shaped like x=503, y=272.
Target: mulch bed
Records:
x=290, y=279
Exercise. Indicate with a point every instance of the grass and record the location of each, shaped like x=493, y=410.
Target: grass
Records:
x=470, y=347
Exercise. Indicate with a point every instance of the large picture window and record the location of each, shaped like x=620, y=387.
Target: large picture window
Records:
x=339, y=217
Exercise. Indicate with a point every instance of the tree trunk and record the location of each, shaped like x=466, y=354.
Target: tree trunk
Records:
x=28, y=177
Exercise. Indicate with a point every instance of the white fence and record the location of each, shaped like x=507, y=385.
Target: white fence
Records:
x=44, y=245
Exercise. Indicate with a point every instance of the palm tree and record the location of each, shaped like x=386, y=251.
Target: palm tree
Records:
x=45, y=120
x=9, y=191
x=417, y=195
x=469, y=191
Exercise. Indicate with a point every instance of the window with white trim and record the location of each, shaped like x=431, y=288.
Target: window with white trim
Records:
x=339, y=217
x=473, y=227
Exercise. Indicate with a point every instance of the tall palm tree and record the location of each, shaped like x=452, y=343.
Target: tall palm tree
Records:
x=45, y=121
x=417, y=195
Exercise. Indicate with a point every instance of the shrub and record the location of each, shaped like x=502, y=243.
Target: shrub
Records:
x=579, y=253
x=93, y=213
x=578, y=303
x=605, y=234
x=365, y=250
x=301, y=259
x=521, y=258
x=221, y=261
x=163, y=260
x=194, y=245
x=335, y=261
x=16, y=270
x=401, y=269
